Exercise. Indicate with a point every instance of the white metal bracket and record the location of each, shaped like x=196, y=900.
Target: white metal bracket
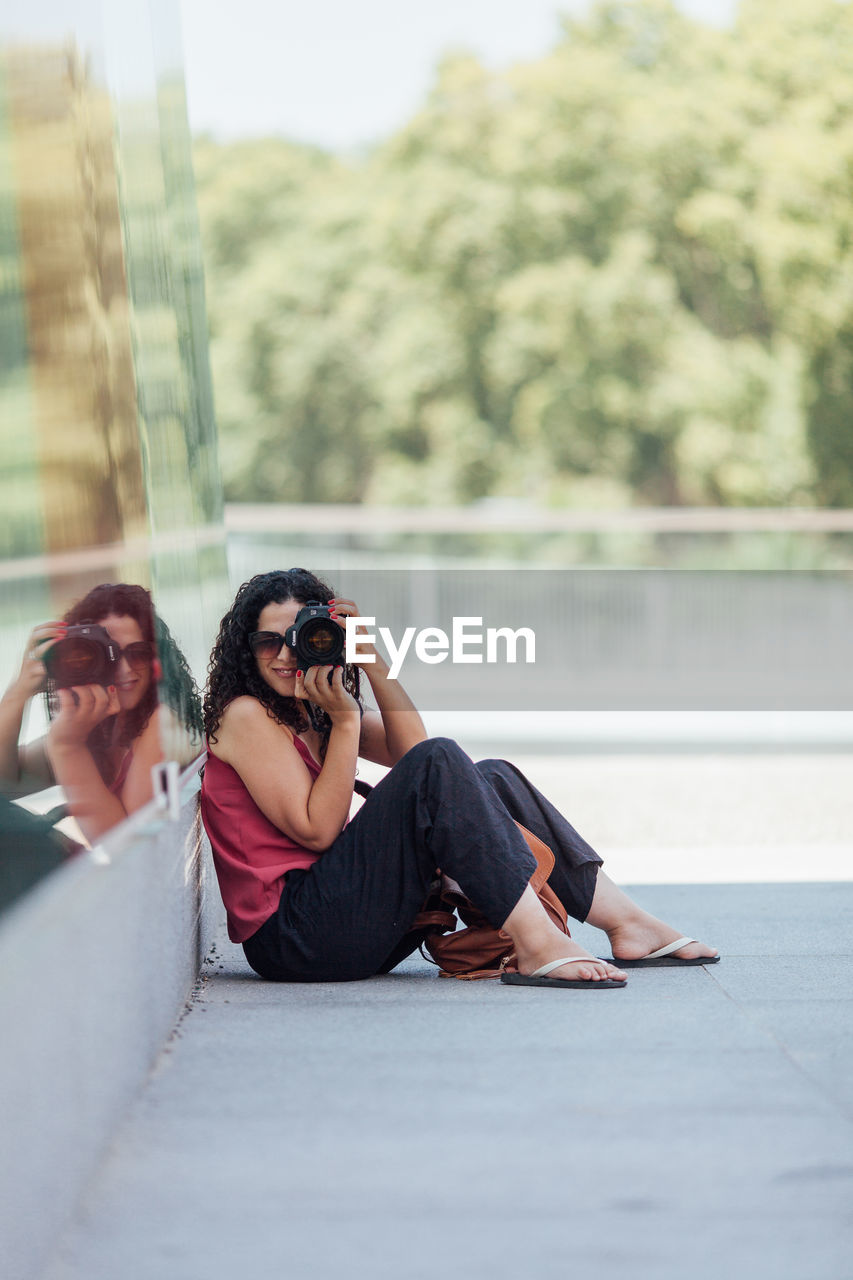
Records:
x=165, y=778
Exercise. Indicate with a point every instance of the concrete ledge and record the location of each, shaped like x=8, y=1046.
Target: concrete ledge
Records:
x=96, y=964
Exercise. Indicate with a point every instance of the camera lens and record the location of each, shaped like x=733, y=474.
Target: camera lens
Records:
x=316, y=640
x=77, y=662
x=87, y=655
x=324, y=642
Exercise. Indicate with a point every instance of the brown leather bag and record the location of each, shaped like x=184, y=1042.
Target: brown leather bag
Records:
x=480, y=950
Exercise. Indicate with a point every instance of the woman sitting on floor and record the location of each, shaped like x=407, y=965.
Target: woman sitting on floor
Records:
x=314, y=897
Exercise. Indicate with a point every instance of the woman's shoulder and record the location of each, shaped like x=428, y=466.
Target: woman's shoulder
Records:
x=247, y=710
x=242, y=716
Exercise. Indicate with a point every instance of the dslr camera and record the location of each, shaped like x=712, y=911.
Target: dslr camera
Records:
x=86, y=655
x=315, y=637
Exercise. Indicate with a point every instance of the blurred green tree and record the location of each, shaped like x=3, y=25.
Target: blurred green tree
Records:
x=621, y=273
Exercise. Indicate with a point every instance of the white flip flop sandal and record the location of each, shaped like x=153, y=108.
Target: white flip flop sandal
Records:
x=539, y=977
x=663, y=957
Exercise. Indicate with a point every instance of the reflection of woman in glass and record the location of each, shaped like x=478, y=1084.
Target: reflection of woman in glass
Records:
x=315, y=898
x=103, y=740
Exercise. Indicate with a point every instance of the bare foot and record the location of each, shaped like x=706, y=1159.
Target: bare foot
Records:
x=538, y=941
x=634, y=938
x=595, y=971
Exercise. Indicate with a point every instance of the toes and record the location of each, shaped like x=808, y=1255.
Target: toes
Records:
x=599, y=972
x=591, y=970
x=696, y=951
x=586, y=972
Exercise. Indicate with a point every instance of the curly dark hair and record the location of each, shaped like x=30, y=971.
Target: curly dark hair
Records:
x=233, y=671
x=175, y=687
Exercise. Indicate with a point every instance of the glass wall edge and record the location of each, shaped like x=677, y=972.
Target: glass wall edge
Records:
x=52, y=895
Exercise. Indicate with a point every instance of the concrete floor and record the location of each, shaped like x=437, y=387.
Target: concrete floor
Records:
x=697, y=1123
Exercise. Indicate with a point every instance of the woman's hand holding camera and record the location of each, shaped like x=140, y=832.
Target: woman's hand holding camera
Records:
x=324, y=686
x=343, y=609
x=81, y=709
x=31, y=678
x=385, y=738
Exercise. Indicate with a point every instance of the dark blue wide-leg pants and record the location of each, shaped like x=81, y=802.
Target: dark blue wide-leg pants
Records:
x=348, y=916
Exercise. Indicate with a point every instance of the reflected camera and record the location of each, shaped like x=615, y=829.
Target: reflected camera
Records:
x=86, y=655
x=315, y=637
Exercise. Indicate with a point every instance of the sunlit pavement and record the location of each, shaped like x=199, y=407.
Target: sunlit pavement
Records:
x=698, y=1122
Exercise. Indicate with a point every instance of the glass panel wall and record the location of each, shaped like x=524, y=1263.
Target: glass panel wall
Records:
x=109, y=472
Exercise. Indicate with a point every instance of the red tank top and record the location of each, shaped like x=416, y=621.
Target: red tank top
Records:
x=251, y=855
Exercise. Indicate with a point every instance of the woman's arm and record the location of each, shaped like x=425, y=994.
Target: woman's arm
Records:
x=27, y=766
x=97, y=808
x=385, y=738
x=147, y=750
x=89, y=798
x=312, y=811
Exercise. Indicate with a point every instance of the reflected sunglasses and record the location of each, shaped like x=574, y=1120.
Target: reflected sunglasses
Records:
x=266, y=644
x=138, y=655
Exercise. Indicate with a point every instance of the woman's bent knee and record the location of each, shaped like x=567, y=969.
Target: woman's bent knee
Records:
x=490, y=769
x=495, y=766
x=434, y=757
x=434, y=749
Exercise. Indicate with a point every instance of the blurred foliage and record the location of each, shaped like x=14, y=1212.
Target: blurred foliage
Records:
x=622, y=273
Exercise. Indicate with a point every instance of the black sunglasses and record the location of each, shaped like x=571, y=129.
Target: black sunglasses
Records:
x=138, y=655
x=266, y=644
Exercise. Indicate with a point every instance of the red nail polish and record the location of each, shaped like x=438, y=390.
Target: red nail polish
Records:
x=299, y=673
